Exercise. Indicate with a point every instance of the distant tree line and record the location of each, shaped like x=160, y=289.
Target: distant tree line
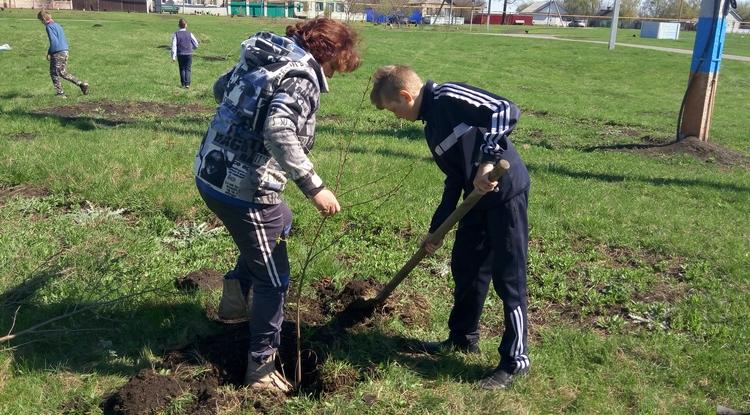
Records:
x=743, y=9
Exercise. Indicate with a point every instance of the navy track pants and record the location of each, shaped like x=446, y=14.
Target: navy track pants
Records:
x=492, y=245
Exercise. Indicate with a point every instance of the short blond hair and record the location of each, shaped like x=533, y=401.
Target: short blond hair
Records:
x=388, y=81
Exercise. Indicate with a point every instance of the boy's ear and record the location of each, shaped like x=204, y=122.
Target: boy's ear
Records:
x=406, y=95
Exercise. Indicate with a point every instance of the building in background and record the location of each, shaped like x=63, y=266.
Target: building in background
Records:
x=544, y=13
x=734, y=23
x=340, y=10
x=37, y=4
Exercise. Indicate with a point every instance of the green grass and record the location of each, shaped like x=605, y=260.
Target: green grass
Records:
x=614, y=234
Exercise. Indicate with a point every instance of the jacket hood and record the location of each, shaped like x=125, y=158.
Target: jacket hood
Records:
x=265, y=48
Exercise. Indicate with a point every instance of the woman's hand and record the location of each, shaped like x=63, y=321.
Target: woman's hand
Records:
x=326, y=203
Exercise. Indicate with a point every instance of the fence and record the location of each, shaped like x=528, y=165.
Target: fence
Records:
x=139, y=6
x=264, y=9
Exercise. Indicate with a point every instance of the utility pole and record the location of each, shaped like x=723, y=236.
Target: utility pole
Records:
x=505, y=7
x=471, y=19
x=450, y=14
x=549, y=9
x=613, y=29
x=489, y=13
x=695, y=115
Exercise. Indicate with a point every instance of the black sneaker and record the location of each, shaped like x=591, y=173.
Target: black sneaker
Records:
x=61, y=95
x=500, y=379
x=84, y=88
x=446, y=346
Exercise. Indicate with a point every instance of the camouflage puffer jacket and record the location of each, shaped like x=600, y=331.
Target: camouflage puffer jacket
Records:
x=264, y=125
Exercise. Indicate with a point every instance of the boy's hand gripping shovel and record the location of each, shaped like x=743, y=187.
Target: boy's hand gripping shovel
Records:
x=362, y=305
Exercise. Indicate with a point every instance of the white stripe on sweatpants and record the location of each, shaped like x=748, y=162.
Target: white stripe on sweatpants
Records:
x=518, y=328
x=264, y=248
x=521, y=360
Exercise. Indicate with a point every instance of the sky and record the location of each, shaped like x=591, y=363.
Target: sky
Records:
x=497, y=6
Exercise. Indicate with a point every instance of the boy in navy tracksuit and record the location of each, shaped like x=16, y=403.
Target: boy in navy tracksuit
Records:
x=57, y=55
x=467, y=132
x=183, y=44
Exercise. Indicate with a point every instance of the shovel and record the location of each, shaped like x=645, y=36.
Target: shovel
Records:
x=362, y=307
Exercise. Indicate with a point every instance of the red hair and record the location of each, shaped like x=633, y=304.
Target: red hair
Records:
x=328, y=41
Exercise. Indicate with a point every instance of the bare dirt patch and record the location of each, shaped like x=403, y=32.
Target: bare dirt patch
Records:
x=332, y=118
x=537, y=113
x=702, y=150
x=648, y=306
x=342, y=306
x=214, y=58
x=206, y=377
x=123, y=112
x=204, y=279
x=614, y=129
x=211, y=222
x=7, y=193
x=21, y=136
x=707, y=152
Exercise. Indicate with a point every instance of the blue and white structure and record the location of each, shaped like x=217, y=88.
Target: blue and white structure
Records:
x=698, y=105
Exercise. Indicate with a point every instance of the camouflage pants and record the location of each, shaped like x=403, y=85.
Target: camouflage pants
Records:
x=58, y=65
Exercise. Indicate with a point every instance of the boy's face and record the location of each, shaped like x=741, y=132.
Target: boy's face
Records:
x=404, y=107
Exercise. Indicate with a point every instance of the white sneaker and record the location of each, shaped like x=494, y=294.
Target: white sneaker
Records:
x=265, y=377
x=234, y=307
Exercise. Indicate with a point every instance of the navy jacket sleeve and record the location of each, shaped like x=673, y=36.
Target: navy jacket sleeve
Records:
x=451, y=194
x=485, y=110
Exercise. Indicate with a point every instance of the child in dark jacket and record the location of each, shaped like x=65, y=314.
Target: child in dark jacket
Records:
x=183, y=44
x=57, y=55
x=467, y=132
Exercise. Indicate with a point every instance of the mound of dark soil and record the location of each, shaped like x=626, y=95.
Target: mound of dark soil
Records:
x=193, y=374
x=702, y=150
x=204, y=279
x=214, y=58
x=22, y=191
x=146, y=393
x=353, y=305
x=206, y=376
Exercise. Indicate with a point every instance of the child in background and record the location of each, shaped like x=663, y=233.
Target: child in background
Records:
x=183, y=44
x=57, y=55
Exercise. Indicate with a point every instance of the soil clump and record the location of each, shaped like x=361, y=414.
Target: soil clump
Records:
x=204, y=279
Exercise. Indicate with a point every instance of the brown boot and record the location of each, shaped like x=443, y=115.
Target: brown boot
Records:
x=234, y=307
x=265, y=377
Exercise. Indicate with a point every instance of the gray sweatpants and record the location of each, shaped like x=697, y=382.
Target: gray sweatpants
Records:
x=263, y=266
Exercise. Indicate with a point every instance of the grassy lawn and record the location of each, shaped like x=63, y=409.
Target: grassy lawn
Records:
x=639, y=264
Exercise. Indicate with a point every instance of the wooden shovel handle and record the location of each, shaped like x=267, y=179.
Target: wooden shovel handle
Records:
x=497, y=173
